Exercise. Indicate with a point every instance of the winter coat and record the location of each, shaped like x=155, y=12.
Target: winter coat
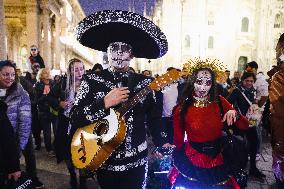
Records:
x=19, y=113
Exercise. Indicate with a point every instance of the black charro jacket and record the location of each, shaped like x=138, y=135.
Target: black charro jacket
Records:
x=89, y=107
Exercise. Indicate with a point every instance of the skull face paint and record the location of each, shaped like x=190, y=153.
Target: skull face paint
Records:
x=119, y=56
x=203, y=83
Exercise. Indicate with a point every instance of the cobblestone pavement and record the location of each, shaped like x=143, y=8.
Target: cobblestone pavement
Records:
x=55, y=176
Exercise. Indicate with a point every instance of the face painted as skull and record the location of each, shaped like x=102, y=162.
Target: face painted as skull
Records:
x=203, y=83
x=119, y=56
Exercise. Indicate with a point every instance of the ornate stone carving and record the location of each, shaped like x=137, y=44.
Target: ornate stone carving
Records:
x=12, y=10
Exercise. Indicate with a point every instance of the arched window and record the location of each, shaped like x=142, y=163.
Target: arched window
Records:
x=187, y=41
x=245, y=24
x=278, y=20
x=210, y=42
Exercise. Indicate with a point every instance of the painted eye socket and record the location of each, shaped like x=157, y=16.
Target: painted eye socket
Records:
x=208, y=83
x=199, y=82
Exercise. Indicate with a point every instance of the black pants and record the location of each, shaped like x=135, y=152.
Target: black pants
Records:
x=36, y=129
x=30, y=160
x=45, y=124
x=252, y=139
x=132, y=179
x=2, y=180
x=168, y=124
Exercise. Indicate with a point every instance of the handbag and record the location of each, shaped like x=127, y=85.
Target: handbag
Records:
x=235, y=153
x=24, y=182
x=254, y=113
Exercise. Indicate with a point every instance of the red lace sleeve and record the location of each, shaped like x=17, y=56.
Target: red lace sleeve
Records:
x=178, y=130
x=241, y=123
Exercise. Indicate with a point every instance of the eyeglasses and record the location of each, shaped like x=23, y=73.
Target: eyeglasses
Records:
x=34, y=49
x=116, y=46
x=6, y=75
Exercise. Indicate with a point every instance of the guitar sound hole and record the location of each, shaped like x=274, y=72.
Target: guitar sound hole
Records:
x=101, y=128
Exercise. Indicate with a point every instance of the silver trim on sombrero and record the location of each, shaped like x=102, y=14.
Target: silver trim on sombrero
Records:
x=108, y=16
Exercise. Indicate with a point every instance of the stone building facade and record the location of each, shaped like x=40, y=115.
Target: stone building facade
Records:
x=234, y=32
x=49, y=24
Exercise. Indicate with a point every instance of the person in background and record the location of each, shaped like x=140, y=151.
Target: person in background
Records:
x=19, y=114
x=57, y=79
x=170, y=100
x=131, y=70
x=276, y=96
x=228, y=81
x=240, y=103
x=66, y=92
x=97, y=68
x=147, y=73
x=34, y=57
x=222, y=85
x=261, y=85
x=236, y=78
x=31, y=78
x=45, y=111
x=9, y=161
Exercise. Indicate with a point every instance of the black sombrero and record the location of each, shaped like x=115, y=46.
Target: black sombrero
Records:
x=101, y=28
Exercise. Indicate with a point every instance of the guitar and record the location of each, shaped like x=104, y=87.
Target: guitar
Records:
x=93, y=144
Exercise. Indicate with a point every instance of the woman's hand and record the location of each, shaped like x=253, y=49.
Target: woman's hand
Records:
x=116, y=96
x=230, y=117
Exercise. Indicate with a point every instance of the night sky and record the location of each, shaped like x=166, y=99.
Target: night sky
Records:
x=90, y=6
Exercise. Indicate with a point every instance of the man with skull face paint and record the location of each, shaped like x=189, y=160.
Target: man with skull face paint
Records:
x=123, y=35
x=198, y=161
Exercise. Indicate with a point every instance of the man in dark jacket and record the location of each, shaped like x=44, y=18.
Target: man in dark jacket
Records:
x=9, y=157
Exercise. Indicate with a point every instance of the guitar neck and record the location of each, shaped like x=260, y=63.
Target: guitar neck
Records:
x=133, y=101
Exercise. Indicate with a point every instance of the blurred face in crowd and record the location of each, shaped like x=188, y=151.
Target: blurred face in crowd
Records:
x=227, y=74
x=248, y=82
x=35, y=67
x=7, y=77
x=19, y=72
x=237, y=75
x=250, y=69
x=203, y=83
x=147, y=73
x=79, y=70
x=119, y=56
x=45, y=76
x=34, y=51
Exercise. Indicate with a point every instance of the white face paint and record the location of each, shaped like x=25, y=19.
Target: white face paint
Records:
x=203, y=83
x=119, y=56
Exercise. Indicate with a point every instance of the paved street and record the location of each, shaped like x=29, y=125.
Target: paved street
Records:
x=55, y=176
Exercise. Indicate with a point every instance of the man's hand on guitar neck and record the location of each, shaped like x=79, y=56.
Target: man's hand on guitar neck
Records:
x=116, y=96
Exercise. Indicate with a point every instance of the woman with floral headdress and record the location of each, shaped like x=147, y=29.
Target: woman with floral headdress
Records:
x=198, y=116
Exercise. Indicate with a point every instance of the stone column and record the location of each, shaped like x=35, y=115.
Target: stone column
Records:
x=3, y=47
x=47, y=38
x=32, y=23
x=57, y=43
